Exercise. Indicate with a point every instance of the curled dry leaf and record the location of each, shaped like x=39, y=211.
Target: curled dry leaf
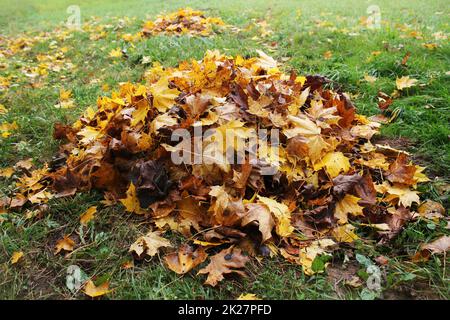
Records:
x=225, y=262
x=149, y=244
x=65, y=244
x=261, y=215
x=26, y=164
x=438, y=246
x=185, y=259
x=282, y=216
x=431, y=210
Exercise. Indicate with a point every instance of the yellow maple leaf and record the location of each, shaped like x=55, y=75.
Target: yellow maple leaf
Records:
x=302, y=126
x=308, y=254
x=348, y=205
x=316, y=145
x=430, y=46
x=334, y=163
x=248, y=296
x=64, y=94
x=281, y=213
x=116, y=53
x=149, y=244
x=93, y=291
x=403, y=194
x=3, y=109
x=419, y=176
x=16, y=256
x=140, y=113
x=88, y=215
x=163, y=96
x=370, y=79
x=131, y=202
x=65, y=243
x=7, y=172
x=376, y=161
x=405, y=82
x=344, y=233
x=6, y=128
x=89, y=134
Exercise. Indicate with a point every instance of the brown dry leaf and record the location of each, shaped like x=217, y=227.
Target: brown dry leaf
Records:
x=438, y=246
x=431, y=210
x=88, y=215
x=185, y=259
x=65, y=244
x=93, y=291
x=26, y=164
x=441, y=245
x=400, y=172
x=260, y=214
x=149, y=244
x=225, y=262
x=327, y=55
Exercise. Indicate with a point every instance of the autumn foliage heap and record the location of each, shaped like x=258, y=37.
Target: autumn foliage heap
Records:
x=331, y=186
x=183, y=21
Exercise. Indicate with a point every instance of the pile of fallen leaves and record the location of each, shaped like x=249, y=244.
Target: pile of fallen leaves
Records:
x=183, y=21
x=330, y=185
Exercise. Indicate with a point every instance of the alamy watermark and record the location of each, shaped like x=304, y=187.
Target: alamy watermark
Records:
x=374, y=19
x=74, y=20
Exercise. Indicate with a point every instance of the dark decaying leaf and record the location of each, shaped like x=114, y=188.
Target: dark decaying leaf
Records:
x=151, y=181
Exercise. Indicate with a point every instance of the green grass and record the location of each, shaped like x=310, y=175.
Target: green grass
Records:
x=298, y=39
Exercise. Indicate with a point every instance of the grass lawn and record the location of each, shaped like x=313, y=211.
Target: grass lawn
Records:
x=312, y=38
